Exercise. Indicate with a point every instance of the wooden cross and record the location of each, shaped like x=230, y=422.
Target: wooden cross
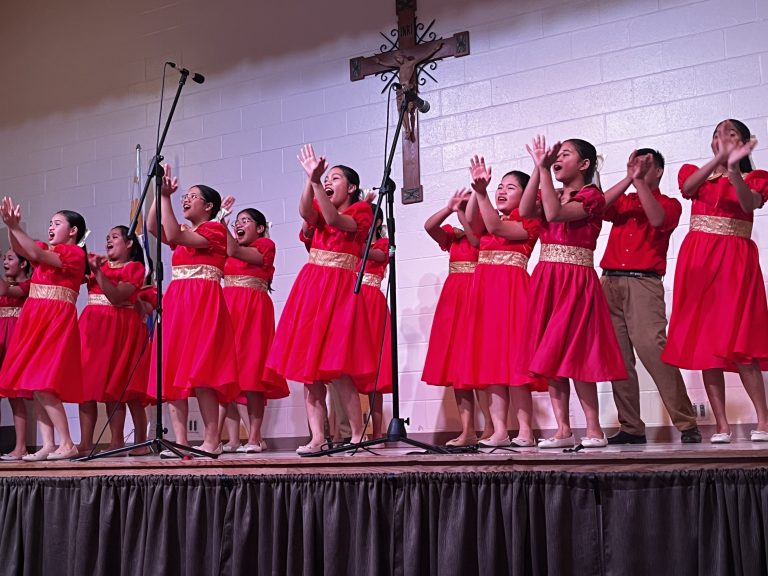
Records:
x=406, y=59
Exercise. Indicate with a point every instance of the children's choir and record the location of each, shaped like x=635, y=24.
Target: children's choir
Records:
x=498, y=333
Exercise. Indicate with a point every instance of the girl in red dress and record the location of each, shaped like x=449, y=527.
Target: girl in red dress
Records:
x=719, y=312
x=320, y=326
x=196, y=323
x=114, y=341
x=569, y=324
x=447, y=339
x=14, y=289
x=43, y=359
x=247, y=280
x=378, y=343
x=499, y=303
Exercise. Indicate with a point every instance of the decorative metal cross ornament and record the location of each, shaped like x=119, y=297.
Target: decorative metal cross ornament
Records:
x=409, y=58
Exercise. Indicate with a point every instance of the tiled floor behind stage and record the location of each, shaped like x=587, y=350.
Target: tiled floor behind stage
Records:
x=397, y=459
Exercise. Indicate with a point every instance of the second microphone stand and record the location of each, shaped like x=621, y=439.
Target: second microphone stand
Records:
x=396, y=430
x=158, y=443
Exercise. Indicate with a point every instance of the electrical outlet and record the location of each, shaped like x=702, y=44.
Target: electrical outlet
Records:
x=194, y=427
x=700, y=409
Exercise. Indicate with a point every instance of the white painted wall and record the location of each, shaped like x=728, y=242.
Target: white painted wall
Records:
x=82, y=84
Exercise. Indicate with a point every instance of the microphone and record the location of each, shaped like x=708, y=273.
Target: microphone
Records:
x=199, y=78
x=411, y=96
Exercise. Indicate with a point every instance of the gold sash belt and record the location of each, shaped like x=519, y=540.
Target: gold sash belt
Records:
x=197, y=272
x=48, y=292
x=461, y=267
x=9, y=312
x=722, y=226
x=242, y=281
x=102, y=300
x=372, y=280
x=567, y=255
x=503, y=258
x=333, y=259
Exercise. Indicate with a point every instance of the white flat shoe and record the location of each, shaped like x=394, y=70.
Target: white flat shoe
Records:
x=65, y=455
x=594, y=442
x=11, y=458
x=523, y=443
x=546, y=443
x=38, y=456
x=720, y=438
x=250, y=449
x=758, y=436
x=488, y=443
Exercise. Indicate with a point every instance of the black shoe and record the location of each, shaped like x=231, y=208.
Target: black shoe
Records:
x=691, y=436
x=622, y=437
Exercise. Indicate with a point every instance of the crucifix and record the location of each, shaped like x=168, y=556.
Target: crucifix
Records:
x=415, y=48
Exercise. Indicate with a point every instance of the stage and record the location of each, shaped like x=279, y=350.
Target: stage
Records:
x=653, y=509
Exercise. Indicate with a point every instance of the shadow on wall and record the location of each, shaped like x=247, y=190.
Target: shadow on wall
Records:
x=69, y=56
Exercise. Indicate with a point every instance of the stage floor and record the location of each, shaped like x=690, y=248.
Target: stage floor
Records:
x=655, y=457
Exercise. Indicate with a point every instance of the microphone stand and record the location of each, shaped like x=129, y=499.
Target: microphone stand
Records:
x=396, y=431
x=159, y=442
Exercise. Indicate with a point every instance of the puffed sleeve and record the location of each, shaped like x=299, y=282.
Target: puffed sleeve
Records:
x=381, y=244
x=267, y=249
x=686, y=171
x=72, y=259
x=133, y=274
x=306, y=240
x=450, y=237
x=533, y=227
x=362, y=214
x=672, y=212
x=592, y=199
x=757, y=180
x=216, y=234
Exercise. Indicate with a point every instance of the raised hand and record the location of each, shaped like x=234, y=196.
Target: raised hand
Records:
x=314, y=167
x=369, y=196
x=550, y=157
x=638, y=166
x=170, y=183
x=458, y=198
x=226, y=209
x=740, y=151
x=10, y=213
x=481, y=174
x=537, y=149
x=631, y=163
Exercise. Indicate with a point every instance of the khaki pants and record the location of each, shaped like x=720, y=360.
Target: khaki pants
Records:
x=639, y=318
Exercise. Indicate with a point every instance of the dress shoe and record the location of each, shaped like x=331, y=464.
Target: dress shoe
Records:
x=690, y=436
x=622, y=437
x=595, y=442
x=64, y=454
x=523, y=443
x=490, y=443
x=720, y=438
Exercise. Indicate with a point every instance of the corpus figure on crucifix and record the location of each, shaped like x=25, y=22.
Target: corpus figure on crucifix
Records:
x=406, y=58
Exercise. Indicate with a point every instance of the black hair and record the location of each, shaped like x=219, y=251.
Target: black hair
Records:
x=379, y=216
x=522, y=177
x=76, y=220
x=212, y=196
x=745, y=164
x=24, y=264
x=135, y=253
x=353, y=178
x=586, y=151
x=256, y=216
x=260, y=220
x=658, y=159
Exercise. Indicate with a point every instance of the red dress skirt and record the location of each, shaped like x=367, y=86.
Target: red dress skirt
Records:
x=498, y=308
x=373, y=301
x=114, y=341
x=570, y=333
x=44, y=353
x=10, y=310
x=198, y=338
x=253, y=319
x=448, y=337
x=322, y=324
x=719, y=311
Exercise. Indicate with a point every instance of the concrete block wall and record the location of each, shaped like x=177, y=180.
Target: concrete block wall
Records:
x=85, y=90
